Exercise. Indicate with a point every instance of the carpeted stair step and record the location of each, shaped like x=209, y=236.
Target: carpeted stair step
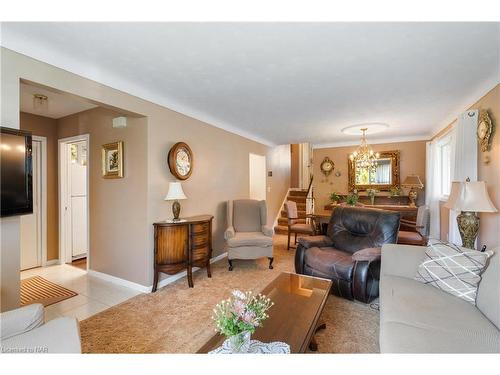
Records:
x=297, y=199
x=297, y=193
x=280, y=229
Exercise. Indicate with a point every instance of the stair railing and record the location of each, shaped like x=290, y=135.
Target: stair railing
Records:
x=310, y=197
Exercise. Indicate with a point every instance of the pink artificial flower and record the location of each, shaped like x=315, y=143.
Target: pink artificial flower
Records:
x=248, y=317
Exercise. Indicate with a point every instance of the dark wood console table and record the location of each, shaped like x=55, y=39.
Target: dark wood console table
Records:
x=182, y=245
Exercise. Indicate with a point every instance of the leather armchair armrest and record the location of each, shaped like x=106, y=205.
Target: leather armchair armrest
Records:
x=229, y=233
x=369, y=254
x=267, y=230
x=315, y=241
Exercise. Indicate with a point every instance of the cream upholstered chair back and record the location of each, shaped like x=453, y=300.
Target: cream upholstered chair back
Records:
x=423, y=220
x=247, y=215
x=291, y=212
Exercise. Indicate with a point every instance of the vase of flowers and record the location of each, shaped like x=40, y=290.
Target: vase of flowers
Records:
x=238, y=316
x=372, y=193
x=352, y=199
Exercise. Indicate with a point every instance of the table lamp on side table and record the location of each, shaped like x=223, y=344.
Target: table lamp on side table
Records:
x=412, y=181
x=469, y=198
x=175, y=193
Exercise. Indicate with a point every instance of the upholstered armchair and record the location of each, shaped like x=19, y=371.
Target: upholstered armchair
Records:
x=415, y=232
x=23, y=331
x=247, y=235
x=349, y=254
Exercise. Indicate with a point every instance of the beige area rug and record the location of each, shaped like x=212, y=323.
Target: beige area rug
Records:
x=39, y=290
x=177, y=319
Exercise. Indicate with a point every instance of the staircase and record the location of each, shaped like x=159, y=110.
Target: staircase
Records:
x=298, y=196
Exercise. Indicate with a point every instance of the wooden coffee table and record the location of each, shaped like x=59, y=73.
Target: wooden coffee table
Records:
x=293, y=319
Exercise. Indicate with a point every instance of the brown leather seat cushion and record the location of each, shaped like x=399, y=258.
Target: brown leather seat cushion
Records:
x=301, y=228
x=409, y=238
x=330, y=261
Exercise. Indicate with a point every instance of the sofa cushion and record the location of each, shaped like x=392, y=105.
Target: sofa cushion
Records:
x=488, y=294
x=453, y=269
x=250, y=239
x=403, y=338
x=409, y=301
x=61, y=335
x=246, y=215
x=330, y=261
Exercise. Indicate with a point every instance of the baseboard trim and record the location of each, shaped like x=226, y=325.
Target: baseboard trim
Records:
x=119, y=281
x=171, y=279
x=147, y=289
x=51, y=262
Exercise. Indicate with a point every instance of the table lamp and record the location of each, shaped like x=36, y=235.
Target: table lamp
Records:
x=175, y=193
x=469, y=198
x=413, y=182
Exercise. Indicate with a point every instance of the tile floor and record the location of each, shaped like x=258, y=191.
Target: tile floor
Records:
x=94, y=294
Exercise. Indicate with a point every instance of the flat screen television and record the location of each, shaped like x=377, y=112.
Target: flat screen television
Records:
x=16, y=172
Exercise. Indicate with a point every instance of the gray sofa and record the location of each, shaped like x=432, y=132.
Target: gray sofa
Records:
x=417, y=318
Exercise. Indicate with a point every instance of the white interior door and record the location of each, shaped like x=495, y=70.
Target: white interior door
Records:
x=31, y=225
x=257, y=171
x=78, y=199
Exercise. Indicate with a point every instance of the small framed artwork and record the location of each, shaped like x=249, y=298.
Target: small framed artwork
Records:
x=112, y=160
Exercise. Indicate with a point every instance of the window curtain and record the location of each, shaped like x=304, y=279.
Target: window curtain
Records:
x=464, y=161
x=383, y=174
x=432, y=191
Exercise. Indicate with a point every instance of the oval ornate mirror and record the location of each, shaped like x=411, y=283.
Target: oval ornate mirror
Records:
x=384, y=177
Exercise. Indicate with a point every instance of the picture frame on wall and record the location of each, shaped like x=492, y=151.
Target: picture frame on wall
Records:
x=112, y=160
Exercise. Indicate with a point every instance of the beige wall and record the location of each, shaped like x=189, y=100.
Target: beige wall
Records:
x=220, y=170
x=47, y=127
x=412, y=161
x=118, y=227
x=490, y=173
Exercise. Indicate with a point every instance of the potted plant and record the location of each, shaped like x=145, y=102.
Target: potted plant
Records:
x=335, y=198
x=352, y=199
x=372, y=193
x=238, y=316
x=395, y=191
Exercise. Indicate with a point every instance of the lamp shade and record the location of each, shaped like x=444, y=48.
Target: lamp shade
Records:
x=412, y=181
x=470, y=196
x=175, y=192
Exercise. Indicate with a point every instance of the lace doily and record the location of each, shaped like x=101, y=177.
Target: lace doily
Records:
x=256, y=347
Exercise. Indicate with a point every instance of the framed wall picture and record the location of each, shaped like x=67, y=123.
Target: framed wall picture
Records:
x=112, y=160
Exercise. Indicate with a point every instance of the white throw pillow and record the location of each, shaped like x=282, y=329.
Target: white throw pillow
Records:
x=453, y=269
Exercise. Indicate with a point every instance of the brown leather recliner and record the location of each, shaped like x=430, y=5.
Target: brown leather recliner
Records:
x=349, y=254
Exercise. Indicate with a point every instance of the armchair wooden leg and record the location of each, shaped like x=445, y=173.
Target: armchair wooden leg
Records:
x=230, y=264
x=271, y=263
x=295, y=238
x=288, y=246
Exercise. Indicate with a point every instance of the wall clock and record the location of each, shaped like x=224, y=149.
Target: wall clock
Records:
x=327, y=166
x=484, y=131
x=180, y=161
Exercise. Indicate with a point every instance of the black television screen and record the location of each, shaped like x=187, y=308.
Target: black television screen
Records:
x=15, y=172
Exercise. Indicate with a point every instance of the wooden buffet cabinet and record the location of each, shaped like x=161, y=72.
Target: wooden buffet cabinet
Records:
x=182, y=245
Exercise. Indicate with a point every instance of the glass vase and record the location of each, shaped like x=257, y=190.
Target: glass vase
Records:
x=372, y=199
x=240, y=343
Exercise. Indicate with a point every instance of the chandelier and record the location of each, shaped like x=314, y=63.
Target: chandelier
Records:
x=364, y=157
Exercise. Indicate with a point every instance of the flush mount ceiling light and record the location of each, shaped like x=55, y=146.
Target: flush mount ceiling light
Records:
x=40, y=102
x=371, y=127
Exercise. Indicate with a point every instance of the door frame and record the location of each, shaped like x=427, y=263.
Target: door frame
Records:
x=42, y=204
x=64, y=253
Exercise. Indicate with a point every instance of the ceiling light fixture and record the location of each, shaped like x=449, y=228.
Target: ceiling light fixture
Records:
x=364, y=157
x=40, y=102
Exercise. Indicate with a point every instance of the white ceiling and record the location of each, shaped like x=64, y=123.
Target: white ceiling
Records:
x=283, y=82
x=59, y=105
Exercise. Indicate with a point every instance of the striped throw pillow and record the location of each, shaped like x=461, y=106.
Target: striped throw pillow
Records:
x=453, y=269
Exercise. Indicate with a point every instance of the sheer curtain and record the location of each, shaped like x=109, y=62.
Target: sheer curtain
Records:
x=432, y=190
x=464, y=161
x=383, y=174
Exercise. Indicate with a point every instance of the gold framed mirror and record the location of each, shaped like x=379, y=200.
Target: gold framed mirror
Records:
x=384, y=177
